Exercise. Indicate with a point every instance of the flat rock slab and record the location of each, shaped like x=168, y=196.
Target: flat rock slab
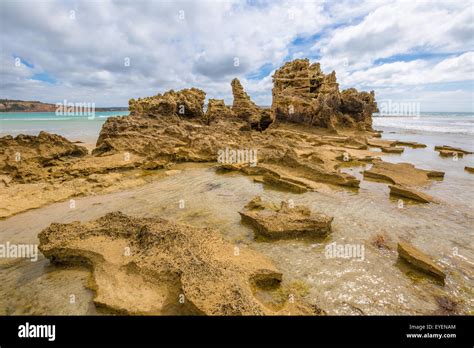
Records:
x=420, y=260
x=452, y=149
x=381, y=142
x=411, y=144
x=392, y=149
x=285, y=222
x=150, y=266
x=411, y=193
x=392, y=143
x=404, y=174
x=450, y=153
x=287, y=183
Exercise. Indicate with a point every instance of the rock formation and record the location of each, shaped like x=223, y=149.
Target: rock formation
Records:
x=244, y=108
x=391, y=146
x=160, y=139
x=410, y=193
x=412, y=144
x=36, y=170
x=449, y=153
x=404, y=174
x=172, y=127
x=28, y=158
x=153, y=266
x=186, y=103
x=452, y=150
x=302, y=93
x=392, y=149
x=285, y=222
x=217, y=108
x=420, y=260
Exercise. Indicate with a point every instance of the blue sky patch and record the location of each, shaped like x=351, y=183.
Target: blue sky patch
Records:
x=262, y=72
x=43, y=77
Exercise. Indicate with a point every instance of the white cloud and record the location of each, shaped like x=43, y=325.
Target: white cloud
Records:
x=179, y=44
x=401, y=27
x=416, y=72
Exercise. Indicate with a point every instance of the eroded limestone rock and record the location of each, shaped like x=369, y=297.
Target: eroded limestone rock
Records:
x=285, y=222
x=410, y=193
x=412, y=144
x=448, y=153
x=393, y=149
x=28, y=158
x=469, y=169
x=153, y=266
x=244, y=108
x=381, y=142
x=217, y=108
x=451, y=150
x=187, y=103
x=302, y=93
x=404, y=174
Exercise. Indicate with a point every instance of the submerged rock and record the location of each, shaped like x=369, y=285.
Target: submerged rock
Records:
x=469, y=169
x=285, y=222
x=420, y=260
x=412, y=144
x=450, y=153
x=447, y=148
x=392, y=149
x=153, y=266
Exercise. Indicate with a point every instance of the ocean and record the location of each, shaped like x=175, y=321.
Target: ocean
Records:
x=72, y=127
x=436, y=128
x=433, y=122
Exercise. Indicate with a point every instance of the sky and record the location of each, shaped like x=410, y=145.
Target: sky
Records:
x=106, y=52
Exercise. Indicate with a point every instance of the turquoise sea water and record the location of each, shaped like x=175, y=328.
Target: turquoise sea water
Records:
x=73, y=127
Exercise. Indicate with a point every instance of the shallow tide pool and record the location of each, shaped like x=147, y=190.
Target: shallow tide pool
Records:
x=376, y=283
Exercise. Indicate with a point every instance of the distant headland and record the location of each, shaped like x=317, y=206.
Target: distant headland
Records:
x=12, y=105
